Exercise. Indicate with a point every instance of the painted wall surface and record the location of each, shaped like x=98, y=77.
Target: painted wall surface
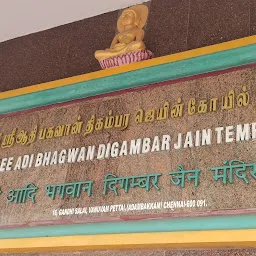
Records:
x=215, y=195
x=23, y=18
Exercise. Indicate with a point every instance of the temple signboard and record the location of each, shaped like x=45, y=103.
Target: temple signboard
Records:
x=178, y=148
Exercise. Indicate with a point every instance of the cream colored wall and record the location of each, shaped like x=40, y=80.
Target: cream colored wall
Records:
x=19, y=18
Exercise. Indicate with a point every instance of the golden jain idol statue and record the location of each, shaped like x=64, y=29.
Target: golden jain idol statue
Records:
x=127, y=46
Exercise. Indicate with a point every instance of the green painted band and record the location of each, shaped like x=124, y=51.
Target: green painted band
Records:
x=170, y=71
x=166, y=225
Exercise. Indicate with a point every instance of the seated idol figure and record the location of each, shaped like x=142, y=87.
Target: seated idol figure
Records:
x=129, y=39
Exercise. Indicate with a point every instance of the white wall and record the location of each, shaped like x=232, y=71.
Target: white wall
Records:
x=22, y=17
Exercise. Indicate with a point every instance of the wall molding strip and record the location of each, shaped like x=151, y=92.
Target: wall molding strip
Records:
x=199, y=61
x=194, y=239
x=147, y=226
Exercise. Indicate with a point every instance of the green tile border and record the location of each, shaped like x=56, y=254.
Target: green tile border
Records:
x=146, y=226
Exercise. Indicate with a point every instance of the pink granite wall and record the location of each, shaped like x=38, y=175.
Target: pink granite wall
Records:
x=237, y=196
